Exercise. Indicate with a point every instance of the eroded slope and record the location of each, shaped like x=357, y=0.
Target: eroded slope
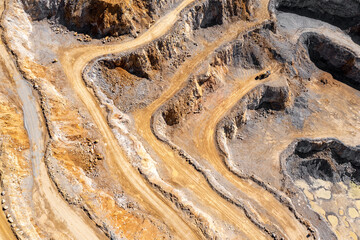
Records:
x=209, y=119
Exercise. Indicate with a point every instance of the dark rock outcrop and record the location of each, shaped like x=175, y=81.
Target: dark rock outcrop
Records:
x=337, y=60
x=343, y=14
x=216, y=12
x=328, y=160
x=99, y=18
x=263, y=98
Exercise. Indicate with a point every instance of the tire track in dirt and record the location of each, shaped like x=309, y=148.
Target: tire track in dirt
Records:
x=49, y=204
x=74, y=61
x=142, y=118
x=205, y=142
x=285, y=218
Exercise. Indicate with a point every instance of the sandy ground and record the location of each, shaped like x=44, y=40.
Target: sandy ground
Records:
x=52, y=210
x=206, y=143
x=73, y=61
x=5, y=231
x=201, y=135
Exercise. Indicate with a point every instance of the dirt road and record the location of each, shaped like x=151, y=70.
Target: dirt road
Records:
x=282, y=216
x=53, y=213
x=73, y=62
x=5, y=230
x=203, y=132
x=204, y=140
x=142, y=118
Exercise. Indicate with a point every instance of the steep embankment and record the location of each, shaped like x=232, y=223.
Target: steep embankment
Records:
x=139, y=67
x=343, y=14
x=178, y=114
x=74, y=61
x=100, y=18
x=43, y=192
x=317, y=104
x=189, y=134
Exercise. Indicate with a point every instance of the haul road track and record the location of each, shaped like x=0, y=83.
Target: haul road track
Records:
x=74, y=62
x=74, y=223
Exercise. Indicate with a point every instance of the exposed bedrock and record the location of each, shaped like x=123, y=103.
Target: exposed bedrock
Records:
x=189, y=100
x=329, y=160
x=263, y=99
x=248, y=53
x=354, y=33
x=100, y=18
x=226, y=64
x=216, y=12
x=338, y=60
x=341, y=13
x=134, y=79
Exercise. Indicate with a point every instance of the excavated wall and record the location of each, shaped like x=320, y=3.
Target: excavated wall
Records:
x=343, y=14
x=265, y=97
x=100, y=18
x=133, y=79
x=329, y=160
x=229, y=59
x=216, y=12
x=331, y=57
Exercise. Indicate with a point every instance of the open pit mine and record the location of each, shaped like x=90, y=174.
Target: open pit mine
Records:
x=180, y=119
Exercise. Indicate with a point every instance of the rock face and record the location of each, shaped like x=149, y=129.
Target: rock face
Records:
x=216, y=12
x=329, y=160
x=133, y=79
x=99, y=18
x=343, y=14
x=239, y=54
x=339, y=13
x=341, y=62
x=263, y=98
x=242, y=54
x=189, y=100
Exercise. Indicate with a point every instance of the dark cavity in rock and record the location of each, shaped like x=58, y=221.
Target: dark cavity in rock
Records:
x=329, y=160
x=337, y=60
